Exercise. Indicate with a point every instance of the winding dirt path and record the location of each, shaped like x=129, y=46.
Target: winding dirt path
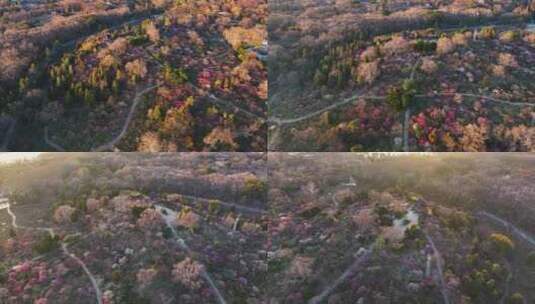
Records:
x=438, y=259
x=222, y=102
x=64, y=248
x=508, y=280
x=86, y=270
x=169, y=217
x=244, y=209
x=110, y=144
x=51, y=143
x=351, y=270
x=492, y=99
x=281, y=121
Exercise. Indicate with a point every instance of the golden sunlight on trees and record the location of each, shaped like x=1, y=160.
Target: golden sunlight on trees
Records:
x=502, y=243
x=445, y=45
x=473, y=138
x=220, y=136
x=136, y=69
x=367, y=72
x=152, y=32
x=239, y=36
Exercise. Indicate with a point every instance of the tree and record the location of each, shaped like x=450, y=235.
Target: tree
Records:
x=255, y=188
x=89, y=96
x=502, y=243
x=153, y=32
x=401, y=97
x=367, y=72
x=136, y=69
x=116, y=87
x=174, y=76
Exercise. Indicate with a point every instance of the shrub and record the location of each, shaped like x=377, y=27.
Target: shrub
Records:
x=150, y=142
x=301, y=266
x=118, y=46
x=138, y=40
x=220, y=139
x=146, y=276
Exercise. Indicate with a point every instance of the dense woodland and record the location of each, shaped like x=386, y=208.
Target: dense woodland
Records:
x=380, y=79
x=383, y=228
x=141, y=75
x=257, y=228
x=168, y=228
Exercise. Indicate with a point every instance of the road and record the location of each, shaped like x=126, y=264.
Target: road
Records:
x=64, y=248
x=111, y=144
x=438, y=258
x=169, y=216
x=243, y=209
x=282, y=121
x=512, y=228
x=351, y=270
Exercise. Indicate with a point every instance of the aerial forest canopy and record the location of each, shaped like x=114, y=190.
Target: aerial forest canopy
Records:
x=156, y=75
x=401, y=76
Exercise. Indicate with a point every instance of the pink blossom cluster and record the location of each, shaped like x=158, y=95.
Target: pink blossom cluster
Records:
x=150, y=219
x=205, y=79
x=373, y=118
x=188, y=273
x=25, y=276
x=430, y=126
